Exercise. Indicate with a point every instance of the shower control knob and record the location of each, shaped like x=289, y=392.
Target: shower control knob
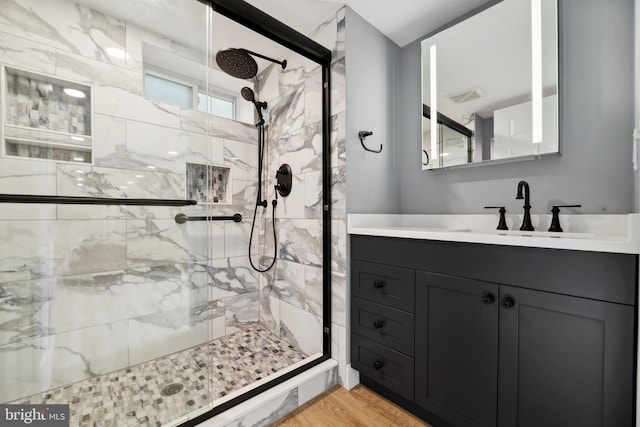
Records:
x=284, y=177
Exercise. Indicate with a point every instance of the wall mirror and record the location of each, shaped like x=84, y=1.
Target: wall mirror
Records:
x=492, y=81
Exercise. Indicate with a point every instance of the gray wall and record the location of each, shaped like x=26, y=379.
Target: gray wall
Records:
x=595, y=168
x=371, y=64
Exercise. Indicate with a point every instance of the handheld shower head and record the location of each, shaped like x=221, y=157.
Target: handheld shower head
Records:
x=248, y=94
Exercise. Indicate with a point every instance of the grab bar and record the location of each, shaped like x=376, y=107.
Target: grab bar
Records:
x=182, y=218
x=73, y=200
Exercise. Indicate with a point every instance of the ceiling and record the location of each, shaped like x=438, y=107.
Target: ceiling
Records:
x=403, y=23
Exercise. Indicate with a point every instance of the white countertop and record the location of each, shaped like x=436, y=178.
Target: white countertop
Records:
x=595, y=233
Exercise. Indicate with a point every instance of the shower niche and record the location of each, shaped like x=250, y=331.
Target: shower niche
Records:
x=208, y=184
x=46, y=117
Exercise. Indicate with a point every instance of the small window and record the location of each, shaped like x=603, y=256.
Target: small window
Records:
x=169, y=91
x=217, y=105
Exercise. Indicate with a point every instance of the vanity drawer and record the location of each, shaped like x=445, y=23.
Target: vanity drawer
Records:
x=385, y=325
x=384, y=284
x=387, y=367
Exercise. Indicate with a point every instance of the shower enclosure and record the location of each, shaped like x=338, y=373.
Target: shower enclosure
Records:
x=129, y=182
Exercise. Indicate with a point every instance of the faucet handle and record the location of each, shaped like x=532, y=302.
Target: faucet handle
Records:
x=502, y=224
x=555, y=219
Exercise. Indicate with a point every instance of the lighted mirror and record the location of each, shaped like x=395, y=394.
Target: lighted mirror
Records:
x=493, y=81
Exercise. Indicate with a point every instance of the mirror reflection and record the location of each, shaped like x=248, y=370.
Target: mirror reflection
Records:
x=493, y=81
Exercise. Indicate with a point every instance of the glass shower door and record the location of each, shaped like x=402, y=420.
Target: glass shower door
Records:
x=103, y=306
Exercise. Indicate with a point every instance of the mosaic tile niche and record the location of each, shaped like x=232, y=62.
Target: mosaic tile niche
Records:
x=47, y=118
x=208, y=183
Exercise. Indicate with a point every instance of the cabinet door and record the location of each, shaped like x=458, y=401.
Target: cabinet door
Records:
x=564, y=361
x=456, y=352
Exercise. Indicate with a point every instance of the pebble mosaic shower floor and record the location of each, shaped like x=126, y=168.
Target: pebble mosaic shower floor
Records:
x=140, y=396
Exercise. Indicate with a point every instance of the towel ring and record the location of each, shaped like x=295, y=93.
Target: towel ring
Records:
x=363, y=134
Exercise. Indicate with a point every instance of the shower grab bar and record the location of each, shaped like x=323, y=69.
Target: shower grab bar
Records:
x=73, y=200
x=182, y=218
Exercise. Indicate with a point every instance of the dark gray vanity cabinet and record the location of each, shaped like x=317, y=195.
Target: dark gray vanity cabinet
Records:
x=502, y=336
x=457, y=348
x=564, y=361
x=382, y=324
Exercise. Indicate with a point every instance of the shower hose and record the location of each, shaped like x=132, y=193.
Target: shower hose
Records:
x=263, y=203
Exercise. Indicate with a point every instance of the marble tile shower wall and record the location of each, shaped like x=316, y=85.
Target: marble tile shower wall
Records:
x=86, y=290
x=291, y=294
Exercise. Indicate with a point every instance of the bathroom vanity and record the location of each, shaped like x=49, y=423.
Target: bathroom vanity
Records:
x=477, y=328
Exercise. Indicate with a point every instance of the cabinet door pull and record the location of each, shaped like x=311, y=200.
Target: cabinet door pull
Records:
x=378, y=364
x=488, y=298
x=378, y=324
x=378, y=284
x=507, y=302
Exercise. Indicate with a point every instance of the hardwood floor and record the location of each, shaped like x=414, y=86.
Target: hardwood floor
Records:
x=358, y=407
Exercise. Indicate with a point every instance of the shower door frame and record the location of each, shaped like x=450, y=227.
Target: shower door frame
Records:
x=264, y=24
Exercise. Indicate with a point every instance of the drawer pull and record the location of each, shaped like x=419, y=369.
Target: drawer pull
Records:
x=378, y=284
x=488, y=298
x=378, y=324
x=378, y=364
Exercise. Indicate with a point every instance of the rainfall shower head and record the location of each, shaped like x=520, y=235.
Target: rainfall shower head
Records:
x=239, y=63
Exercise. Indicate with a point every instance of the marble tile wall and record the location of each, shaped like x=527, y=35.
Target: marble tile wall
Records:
x=155, y=283
x=291, y=295
x=86, y=290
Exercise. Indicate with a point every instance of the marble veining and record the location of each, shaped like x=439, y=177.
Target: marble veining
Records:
x=339, y=245
x=313, y=195
x=55, y=21
x=300, y=328
x=162, y=241
x=74, y=180
x=289, y=283
x=301, y=241
x=231, y=277
x=313, y=98
x=302, y=149
x=339, y=298
x=338, y=86
x=287, y=404
x=338, y=140
x=25, y=308
x=338, y=192
x=84, y=70
x=24, y=53
x=37, y=249
x=339, y=52
x=287, y=113
x=118, y=102
x=313, y=290
x=242, y=310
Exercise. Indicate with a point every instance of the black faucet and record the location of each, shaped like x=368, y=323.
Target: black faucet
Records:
x=526, y=221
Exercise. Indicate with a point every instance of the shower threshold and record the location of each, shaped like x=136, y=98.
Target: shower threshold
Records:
x=170, y=389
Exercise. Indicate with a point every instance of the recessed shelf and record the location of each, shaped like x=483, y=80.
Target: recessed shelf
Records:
x=46, y=118
x=209, y=184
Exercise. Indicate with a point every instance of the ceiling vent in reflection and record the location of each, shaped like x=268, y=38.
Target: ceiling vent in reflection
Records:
x=467, y=95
